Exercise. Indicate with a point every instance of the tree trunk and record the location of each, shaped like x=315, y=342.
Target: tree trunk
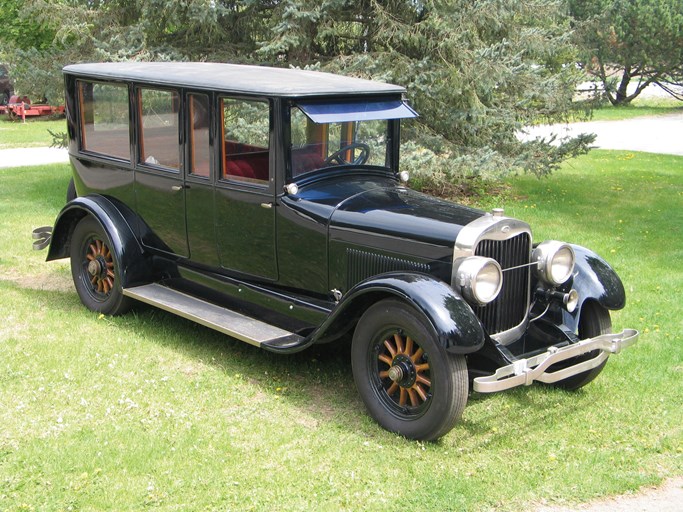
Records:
x=621, y=97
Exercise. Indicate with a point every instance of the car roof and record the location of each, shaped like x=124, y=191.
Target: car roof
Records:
x=235, y=78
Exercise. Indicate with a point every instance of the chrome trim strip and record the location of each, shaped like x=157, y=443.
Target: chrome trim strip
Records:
x=526, y=371
x=487, y=227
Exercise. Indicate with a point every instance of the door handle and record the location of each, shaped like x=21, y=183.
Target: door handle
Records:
x=267, y=206
x=176, y=188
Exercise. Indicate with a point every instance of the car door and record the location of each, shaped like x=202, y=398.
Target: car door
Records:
x=245, y=188
x=200, y=179
x=159, y=181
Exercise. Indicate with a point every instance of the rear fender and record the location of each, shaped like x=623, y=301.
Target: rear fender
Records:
x=117, y=223
x=452, y=320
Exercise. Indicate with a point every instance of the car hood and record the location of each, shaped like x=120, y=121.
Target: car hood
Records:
x=399, y=212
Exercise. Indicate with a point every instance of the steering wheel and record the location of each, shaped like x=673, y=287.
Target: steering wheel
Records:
x=338, y=156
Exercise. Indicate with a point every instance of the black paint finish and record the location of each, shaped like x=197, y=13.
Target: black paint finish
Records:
x=353, y=232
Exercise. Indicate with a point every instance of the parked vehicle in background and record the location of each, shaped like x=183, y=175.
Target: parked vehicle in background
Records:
x=20, y=107
x=268, y=204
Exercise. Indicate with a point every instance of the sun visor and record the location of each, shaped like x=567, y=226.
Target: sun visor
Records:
x=356, y=111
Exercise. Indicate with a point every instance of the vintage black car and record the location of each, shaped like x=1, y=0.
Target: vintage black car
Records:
x=268, y=204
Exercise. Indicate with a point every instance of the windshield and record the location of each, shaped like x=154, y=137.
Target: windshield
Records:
x=322, y=145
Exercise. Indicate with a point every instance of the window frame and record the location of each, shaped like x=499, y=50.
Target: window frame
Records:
x=82, y=135
x=139, y=142
x=190, y=135
x=390, y=154
x=234, y=181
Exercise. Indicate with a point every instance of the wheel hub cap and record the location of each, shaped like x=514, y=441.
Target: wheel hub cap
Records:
x=95, y=267
x=402, y=372
x=395, y=373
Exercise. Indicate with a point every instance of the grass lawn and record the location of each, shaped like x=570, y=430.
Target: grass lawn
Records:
x=32, y=133
x=152, y=411
x=638, y=108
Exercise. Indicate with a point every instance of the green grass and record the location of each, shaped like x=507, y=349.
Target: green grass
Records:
x=149, y=411
x=638, y=108
x=32, y=133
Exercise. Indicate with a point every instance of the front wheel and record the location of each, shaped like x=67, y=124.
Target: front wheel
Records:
x=409, y=383
x=95, y=269
x=594, y=321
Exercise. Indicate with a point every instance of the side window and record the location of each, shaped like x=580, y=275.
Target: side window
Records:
x=200, y=154
x=246, y=136
x=159, y=141
x=104, y=111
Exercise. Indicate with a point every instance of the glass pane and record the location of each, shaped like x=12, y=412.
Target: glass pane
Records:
x=200, y=155
x=321, y=145
x=105, y=119
x=246, y=136
x=159, y=136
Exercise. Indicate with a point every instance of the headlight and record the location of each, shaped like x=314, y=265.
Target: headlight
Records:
x=478, y=279
x=555, y=261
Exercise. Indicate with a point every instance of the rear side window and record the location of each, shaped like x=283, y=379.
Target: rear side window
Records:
x=105, y=118
x=246, y=136
x=159, y=140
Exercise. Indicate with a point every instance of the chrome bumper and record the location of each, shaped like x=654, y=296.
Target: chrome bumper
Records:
x=42, y=237
x=526, y=371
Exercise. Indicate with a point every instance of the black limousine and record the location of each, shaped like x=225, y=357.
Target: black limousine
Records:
x=268, y=204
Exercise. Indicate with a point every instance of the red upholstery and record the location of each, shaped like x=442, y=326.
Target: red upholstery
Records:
x=306, y=159
x=246, y=161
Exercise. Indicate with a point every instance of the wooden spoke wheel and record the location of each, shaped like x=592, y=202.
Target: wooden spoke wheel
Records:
x=409, y=383
x=94, y=269
x=403, y=371
x=100, y=267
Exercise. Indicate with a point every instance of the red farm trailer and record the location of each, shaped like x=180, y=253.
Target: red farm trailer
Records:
x=21, y=107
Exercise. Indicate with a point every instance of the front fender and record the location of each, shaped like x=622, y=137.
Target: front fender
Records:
x=594, y=279
x=116, y=222
x=453, y=322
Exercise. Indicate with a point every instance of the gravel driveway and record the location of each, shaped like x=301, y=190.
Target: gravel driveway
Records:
x=654, y=134
x=21, y=157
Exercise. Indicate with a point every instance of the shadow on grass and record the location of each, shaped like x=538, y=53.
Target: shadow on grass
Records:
x=319, y=380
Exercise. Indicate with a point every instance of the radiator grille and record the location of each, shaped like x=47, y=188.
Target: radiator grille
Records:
x=362, y=265
x=510, y=307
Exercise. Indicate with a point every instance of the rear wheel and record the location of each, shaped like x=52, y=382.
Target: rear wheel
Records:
x=594, y=321
x=95, y=269
x=409, y=383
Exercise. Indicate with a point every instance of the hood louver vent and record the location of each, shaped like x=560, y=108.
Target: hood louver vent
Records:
x=362, y=264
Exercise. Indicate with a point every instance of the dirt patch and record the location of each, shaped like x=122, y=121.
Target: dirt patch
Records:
x=666, y=498
x=45, y=281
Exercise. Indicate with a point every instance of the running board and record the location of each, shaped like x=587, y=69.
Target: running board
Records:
x=232, y=323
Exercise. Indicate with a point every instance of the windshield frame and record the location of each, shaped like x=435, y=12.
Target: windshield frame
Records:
x=391, y=143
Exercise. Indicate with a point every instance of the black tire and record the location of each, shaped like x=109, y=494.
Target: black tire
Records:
x=71, y=191
x=431, y=387
x=594, y=321
x=94, y=268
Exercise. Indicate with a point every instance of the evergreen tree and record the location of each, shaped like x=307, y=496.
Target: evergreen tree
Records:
x=476, y=71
